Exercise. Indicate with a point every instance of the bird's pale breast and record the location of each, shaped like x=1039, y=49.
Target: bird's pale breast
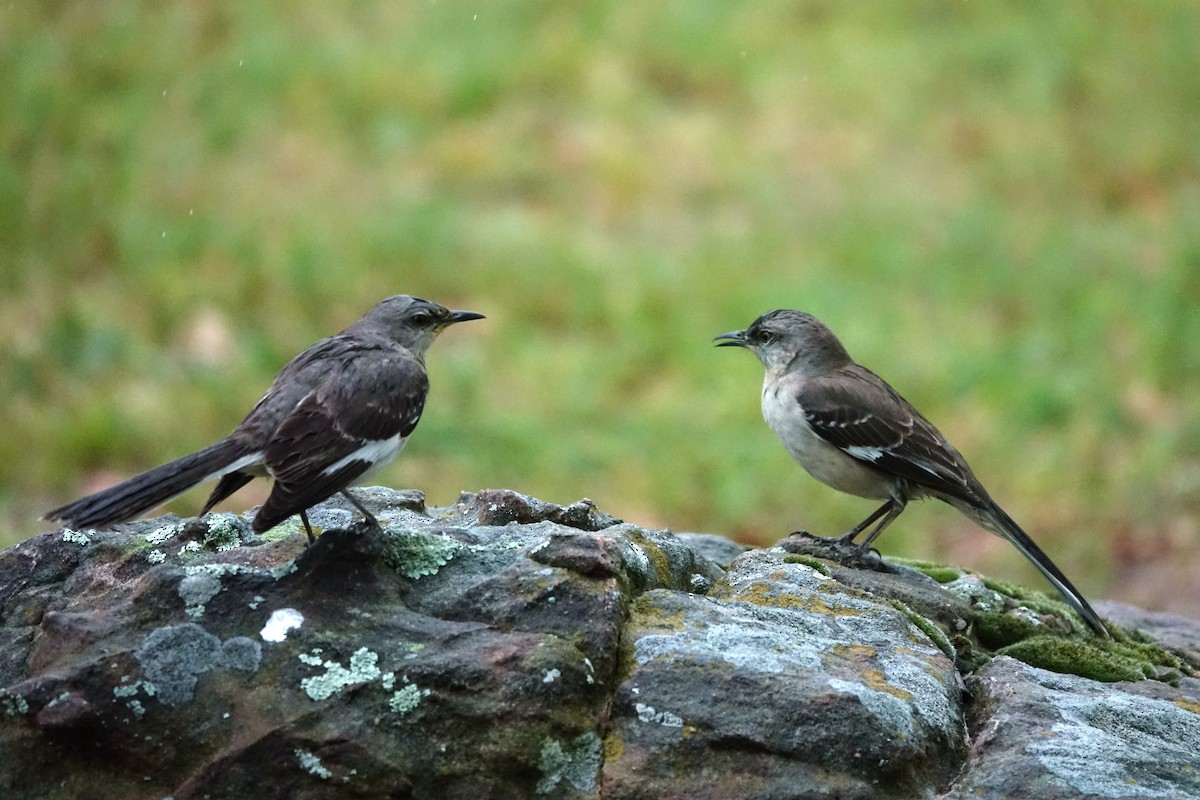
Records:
x=819, y=458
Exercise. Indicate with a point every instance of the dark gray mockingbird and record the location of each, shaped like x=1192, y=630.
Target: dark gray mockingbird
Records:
x=853, y=432
x=335, y=415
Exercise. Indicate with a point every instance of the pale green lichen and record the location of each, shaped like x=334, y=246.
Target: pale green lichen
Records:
x=14, y=705
x=224, y=532
x=313, y=659
x=160, y=535
x=75, y=537
x=131, y=689
x=577, y=764
x=415, y=554
x=156, y=556
x=363, y=668
x=405, y=700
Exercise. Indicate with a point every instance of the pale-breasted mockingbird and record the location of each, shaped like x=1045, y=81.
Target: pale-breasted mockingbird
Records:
x=335, y=415
x=853, y=432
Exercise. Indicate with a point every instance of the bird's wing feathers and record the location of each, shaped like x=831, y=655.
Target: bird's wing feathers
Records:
x=372, y=406
x=857, y=412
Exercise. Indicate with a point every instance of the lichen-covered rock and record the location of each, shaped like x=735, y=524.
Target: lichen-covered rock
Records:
x=781, y=683
x=1051, y=736
x=507, y=647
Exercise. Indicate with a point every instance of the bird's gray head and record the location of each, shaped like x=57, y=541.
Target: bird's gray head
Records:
x=787, y=341
x=410, y=321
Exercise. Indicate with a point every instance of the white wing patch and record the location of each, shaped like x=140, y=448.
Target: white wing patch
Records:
x=865, y=453
x=378, y=453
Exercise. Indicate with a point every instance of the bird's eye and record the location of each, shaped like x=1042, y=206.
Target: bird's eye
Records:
x=422, y=318
x=762, y=336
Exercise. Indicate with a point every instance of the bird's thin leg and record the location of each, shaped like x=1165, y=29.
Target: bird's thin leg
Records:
x=367, y=515
x=897, y=508
x=307, y=527
x=849, y=535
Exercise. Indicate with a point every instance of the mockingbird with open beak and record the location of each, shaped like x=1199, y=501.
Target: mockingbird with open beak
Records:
x=335, y=415
x=853, y=432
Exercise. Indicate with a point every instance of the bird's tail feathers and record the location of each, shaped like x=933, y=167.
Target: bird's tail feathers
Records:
x=997, y=521
x=143, y=492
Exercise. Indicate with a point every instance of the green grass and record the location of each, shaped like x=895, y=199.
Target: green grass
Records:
x=995, y=205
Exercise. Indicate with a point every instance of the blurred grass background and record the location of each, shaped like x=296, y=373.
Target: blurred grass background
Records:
x=997, y=207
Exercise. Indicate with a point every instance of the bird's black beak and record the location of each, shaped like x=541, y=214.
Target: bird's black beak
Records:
x=463, y=316
x=731, y=339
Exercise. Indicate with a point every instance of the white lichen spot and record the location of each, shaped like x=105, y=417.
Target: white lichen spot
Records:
x=156, y=556
x=591, y=676
x=75, y=537
x=388, y=680
x=256, y=601
x=58, y=700
x=190, y=547
x=312, y=765
x=551, y=676
x=279, y=623
x=648, y=714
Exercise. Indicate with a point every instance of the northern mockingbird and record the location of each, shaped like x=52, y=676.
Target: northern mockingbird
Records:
x=335, y=415
x=853, y=432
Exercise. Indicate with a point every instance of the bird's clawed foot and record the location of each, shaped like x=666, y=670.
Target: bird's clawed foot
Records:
x=839, y=549
x=847, y=538
x=368, y=520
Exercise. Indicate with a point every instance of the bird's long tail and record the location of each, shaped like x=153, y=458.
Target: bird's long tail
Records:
x=152, y=488
x=997, y=521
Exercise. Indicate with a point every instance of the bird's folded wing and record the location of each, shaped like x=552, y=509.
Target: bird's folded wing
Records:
x=857, y=412
x=338, y=431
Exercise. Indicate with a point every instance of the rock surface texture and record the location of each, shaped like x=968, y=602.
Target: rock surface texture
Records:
x=511, y=648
